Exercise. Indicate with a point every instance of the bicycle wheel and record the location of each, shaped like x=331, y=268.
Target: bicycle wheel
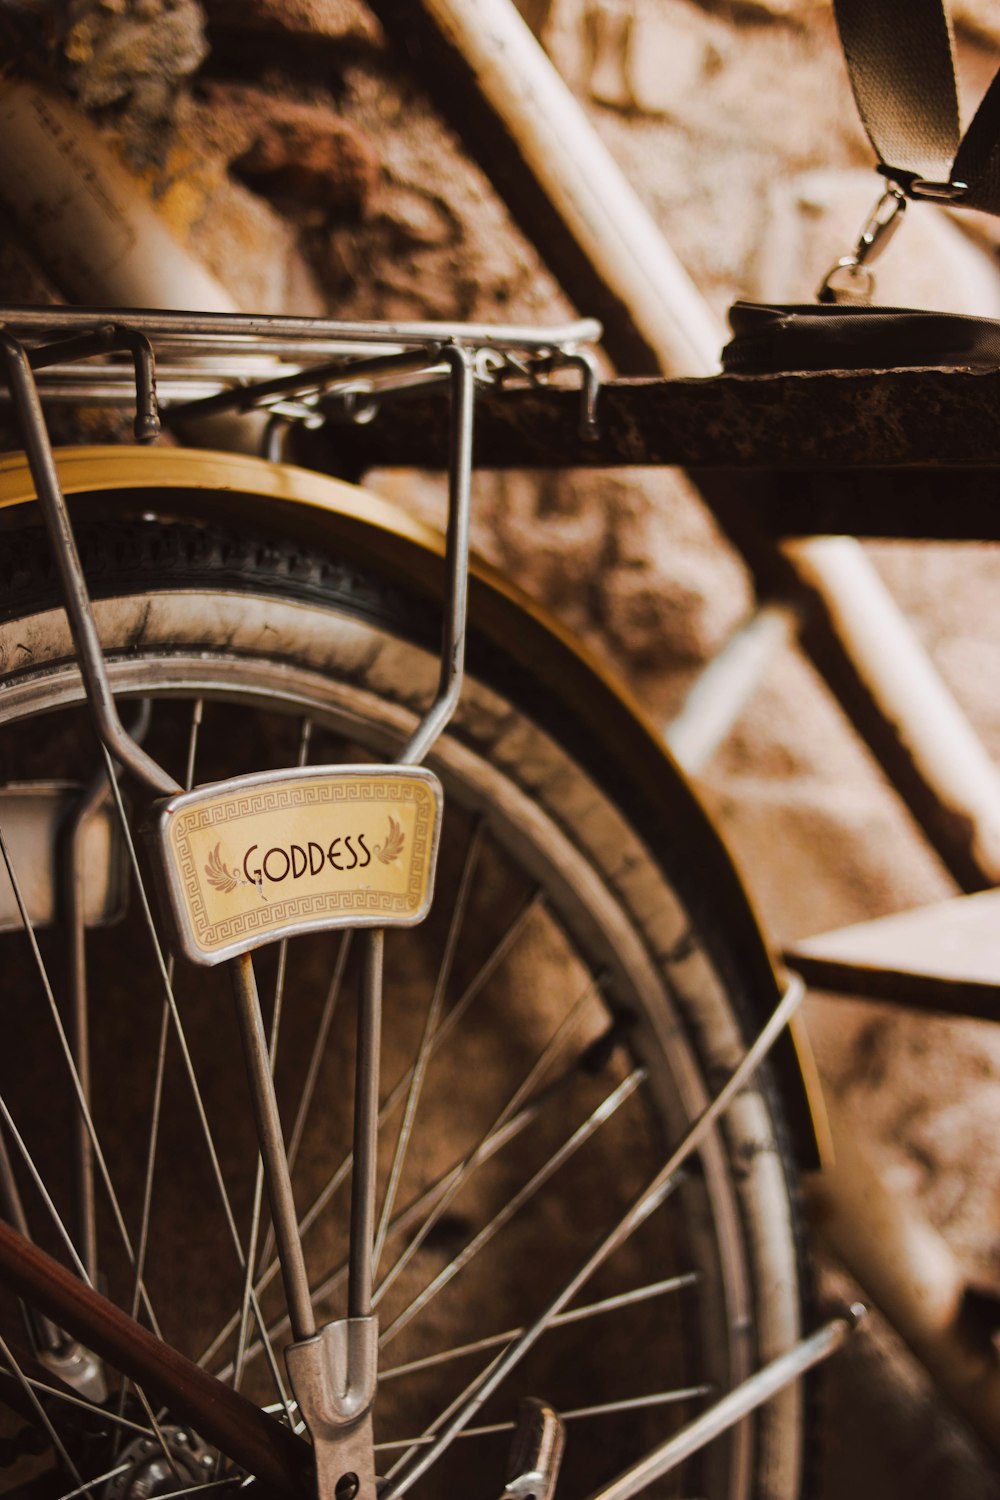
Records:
x=586, y=1009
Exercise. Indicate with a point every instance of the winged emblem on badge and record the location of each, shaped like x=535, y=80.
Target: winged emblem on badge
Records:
x=219, y=874
x=393, y=846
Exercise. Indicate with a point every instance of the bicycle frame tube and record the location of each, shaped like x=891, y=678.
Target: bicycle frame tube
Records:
x=220, y=1414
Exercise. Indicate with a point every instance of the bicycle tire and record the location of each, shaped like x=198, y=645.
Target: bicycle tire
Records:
x=195, y=610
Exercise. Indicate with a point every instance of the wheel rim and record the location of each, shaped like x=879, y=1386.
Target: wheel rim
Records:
x=583, y=907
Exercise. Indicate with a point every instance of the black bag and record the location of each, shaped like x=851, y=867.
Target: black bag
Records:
x=771, y=340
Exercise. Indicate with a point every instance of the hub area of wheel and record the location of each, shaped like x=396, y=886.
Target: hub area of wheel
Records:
x=150, y=1468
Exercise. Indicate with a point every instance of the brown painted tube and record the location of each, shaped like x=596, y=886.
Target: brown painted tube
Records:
x=280, y=1460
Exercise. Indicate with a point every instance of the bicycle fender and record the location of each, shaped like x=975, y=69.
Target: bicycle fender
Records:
x=301, y=504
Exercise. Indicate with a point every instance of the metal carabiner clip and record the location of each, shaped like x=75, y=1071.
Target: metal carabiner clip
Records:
x=883, y=221
x=879, y=228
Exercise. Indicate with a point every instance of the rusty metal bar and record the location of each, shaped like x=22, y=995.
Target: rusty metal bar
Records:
x=934, y=418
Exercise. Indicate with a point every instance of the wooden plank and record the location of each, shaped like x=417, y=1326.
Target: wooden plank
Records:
x=944, y=957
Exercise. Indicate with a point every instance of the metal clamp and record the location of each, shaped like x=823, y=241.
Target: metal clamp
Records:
x=585, y=360
x=492, y=366
x=928, y=188
x=938, y=192
x=333, y=1376
x=111, y=338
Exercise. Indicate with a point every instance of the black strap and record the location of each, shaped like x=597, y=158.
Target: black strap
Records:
x=978, y=159
x=901, y=64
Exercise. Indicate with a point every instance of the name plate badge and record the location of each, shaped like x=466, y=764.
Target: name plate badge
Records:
x=261, y=857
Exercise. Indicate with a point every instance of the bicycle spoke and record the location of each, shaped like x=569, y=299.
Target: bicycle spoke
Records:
x=475, y=1158
x=197, y=714
x=71, y=882
x=195, y=1489
x=209, y=1487
x=41, y=1332
x=13, y=1204
x=312, y=1074
x=189, y=1069
x=147, y=1200
x=639, y=1403
x=44, y=1193
x=74, y=1256
x=325, y=1021
x=258, y=1190
x=431, y=1024
x=319, y=1047
x=38, y=1179
x=448, y=1024
x=575, y=1315
x=459, y=1010
x=305, y=737
x=157, y=1430
x=603, y=1409
x=101, y=1413
x=461, y=1411
x=91, y=1132
x=194, y=730
x=151, y=1150
x=416, y=1209
x=85, y=1489
x=78, y=1090
x=734, y=1405
x=598, y=1117
x=43, y=1417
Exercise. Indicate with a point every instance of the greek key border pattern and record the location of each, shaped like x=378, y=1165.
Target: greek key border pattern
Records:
x=299, y=908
